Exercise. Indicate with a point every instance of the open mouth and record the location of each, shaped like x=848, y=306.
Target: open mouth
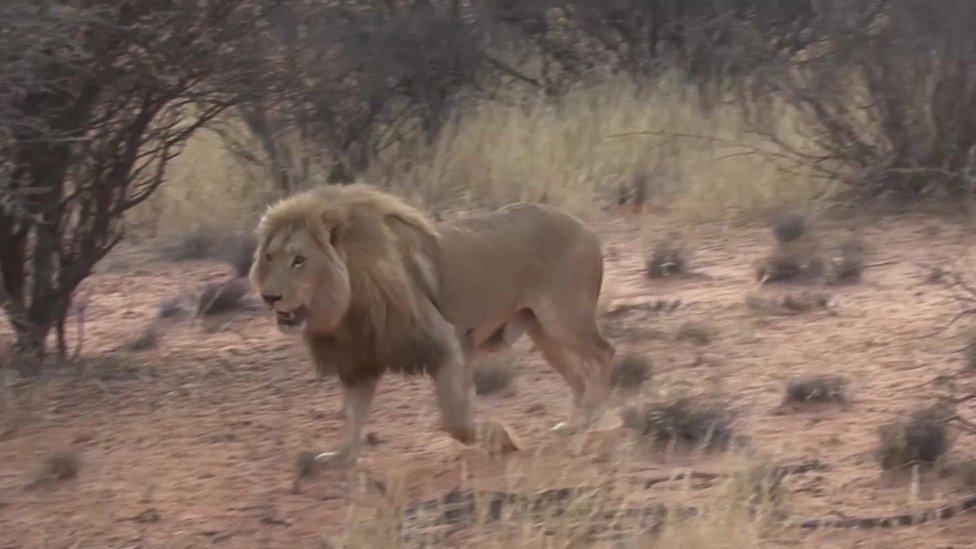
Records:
x=292, y=319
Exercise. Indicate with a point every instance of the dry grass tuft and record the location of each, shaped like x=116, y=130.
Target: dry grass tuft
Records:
x=790, y=265
x=600, y=511
x=59, y=466
x=305, y=467
x=969, y=352
x=6, y=352
x=922, y=439
x=967, y=473
x=667, y=259
x=822, y=389
x=697, y=332
x=171, y=307
x=936, y=274
x=222, y=297
x=494, y=374
x=707, y=424
x=967, y=339
x=849, y=263
x=795, y=256
x=792, y=303
x=630, y=371
x=147, y=339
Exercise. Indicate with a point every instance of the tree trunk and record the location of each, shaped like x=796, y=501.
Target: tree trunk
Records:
x=29, y=347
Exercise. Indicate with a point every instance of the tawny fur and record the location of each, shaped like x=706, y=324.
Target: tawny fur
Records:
x=386, y=290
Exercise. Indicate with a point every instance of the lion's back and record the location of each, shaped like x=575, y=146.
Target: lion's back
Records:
x=494, y=262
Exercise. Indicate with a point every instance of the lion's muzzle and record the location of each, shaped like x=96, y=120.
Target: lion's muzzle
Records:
x=294, y=319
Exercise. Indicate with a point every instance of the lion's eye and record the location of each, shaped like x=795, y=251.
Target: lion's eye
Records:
x=297, y=261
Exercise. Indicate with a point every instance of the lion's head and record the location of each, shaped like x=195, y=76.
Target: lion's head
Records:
x=325, y=252
x=298, y=270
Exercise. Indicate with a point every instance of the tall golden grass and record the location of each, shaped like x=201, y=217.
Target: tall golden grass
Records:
x=581, y=152
x=731, y=515
x=578, y=152
x=207, y=188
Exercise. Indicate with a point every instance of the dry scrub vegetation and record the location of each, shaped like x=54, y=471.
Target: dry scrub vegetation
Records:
x=766, y=380
x=583, y=153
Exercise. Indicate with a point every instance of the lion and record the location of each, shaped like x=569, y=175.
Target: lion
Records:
x=373, y=286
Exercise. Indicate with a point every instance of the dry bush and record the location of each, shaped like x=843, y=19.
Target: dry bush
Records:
x=790, y=227
x=61, y=465
x=222, y=297
x=706, y=423
x=922, y=439
x=238, y=252
x=630, y=371
x=494, y=374
x=697, y=332
x=235, y=250
x=817, y=388
x=887, y=113
x=796, y=255
x=83, y=141
x=192, y=246
x=668, y=258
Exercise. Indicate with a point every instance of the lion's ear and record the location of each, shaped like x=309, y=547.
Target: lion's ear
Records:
x=325, y=230
x=328, y=227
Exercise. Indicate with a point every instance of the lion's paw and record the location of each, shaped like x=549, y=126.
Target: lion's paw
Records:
x=496, y=439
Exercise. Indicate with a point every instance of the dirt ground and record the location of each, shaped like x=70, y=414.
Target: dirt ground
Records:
x=192, y=443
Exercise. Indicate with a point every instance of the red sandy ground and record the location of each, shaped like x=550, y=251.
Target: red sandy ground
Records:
x=192, y=443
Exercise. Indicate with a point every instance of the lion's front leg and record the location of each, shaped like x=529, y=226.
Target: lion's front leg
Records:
x=357, y=401
x=452, y=379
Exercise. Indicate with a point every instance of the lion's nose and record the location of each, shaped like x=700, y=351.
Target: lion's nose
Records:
x=271, y=299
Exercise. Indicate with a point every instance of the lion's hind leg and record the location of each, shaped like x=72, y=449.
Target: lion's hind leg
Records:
x=573, y=346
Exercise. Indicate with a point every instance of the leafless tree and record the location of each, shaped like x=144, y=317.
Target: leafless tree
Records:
x=355, y=78
x=702, y=39
x=884, y=97
x=95, y=99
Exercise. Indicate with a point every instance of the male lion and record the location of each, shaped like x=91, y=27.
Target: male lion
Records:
x=373, y=286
